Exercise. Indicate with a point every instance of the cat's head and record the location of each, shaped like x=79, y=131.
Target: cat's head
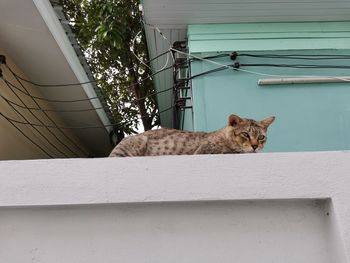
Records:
x=249, y=135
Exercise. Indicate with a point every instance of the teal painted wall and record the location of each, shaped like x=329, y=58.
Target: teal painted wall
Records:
x=268, y=36
x=309, y=117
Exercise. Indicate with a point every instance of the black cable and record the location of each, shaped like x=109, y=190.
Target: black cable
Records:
x=81, y=100
x=234, y=55
x=50, y=126
x=48, y=100
x=49, y=110
x=77, y=110
x=33, y=126
x=303, y=66
x=72, y=84
x=212, y=71
x=81, y=127
x=152, y=94
x=211, y=57
x=25, y=135
x=302, y=57
x=238, y=65
x=18, y=78
x=54, y=123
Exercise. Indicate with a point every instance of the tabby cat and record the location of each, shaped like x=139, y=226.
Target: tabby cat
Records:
x=239, y=136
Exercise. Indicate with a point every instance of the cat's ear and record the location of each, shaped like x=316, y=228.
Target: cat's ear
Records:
x=266, y=122
x=233, y=120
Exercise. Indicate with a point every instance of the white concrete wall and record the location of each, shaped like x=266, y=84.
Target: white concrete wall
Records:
x=281, y=207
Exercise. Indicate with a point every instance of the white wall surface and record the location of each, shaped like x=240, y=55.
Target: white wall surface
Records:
x=280, y=207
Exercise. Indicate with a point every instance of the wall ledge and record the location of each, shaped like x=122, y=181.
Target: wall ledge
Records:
x=174, y=178
x=269, y=176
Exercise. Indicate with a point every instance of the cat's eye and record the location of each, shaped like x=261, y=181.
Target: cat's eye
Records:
x=245, y=134
x=261, y=137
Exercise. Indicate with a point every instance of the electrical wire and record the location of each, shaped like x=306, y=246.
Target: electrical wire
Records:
x=25, y=135
x=166, y=62
x=12, y=121
x=19, y=78
x=163, y=36
x=68, y=138
x=49, y=110
x=133, y=51
x=35, y=127
x=222, y=67
x=234, y=67
x=76, y=110
x=77, y=83
x=39, y=108
x=45, y=99
x=89, y=127
x=81, y=100
x=222, y=55
x=234, y=55
x=81, y=127
x=53, y=122
x=159, y=32
x=287, y=76
x=301, y=66
x=254, y=72
x=210, y=71
x=208, y=59
x=294, y=56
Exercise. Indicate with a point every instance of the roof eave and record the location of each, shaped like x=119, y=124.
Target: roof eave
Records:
x=78, y=64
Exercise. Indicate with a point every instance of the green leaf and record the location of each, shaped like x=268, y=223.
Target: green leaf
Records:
x=104, y=30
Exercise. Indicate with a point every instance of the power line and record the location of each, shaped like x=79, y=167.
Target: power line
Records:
x=49, y=110
x=75, y=110
x=54, y=123
x=210, y=71
x=237, y=67
x=133, y=51
x=26, y=122
x=45, y=99
x=159, y=32
x=38, y=131
x=77, y=83
x=81, y=100
x=80, y=127
x=234, y=56
x=39, y=108
x=38, y=119
x=250, y=71
x=25, y=135
x=301, y=66
x=293, y=56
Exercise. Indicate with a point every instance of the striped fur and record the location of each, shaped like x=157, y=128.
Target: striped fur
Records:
x=239, y=136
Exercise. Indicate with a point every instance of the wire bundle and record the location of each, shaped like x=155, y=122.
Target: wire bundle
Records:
x=76, y=150
x=72, y=147
x=236, y=66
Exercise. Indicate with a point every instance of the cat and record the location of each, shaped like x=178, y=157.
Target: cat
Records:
x=239, y=136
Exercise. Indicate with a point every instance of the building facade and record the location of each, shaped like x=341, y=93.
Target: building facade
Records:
x=270, y=76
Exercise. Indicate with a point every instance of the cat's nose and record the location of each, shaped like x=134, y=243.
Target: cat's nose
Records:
x=254, y=147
